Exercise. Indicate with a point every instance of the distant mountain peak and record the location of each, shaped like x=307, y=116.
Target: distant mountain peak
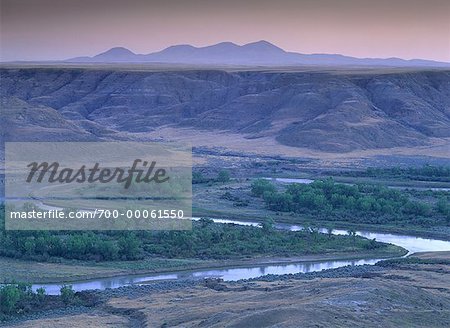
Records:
x=261, y=43
x=180, y=46
x=222, y=45
x=117, y=51
x=226, y=43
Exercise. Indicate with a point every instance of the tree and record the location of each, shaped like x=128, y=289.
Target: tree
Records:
x=223, y=176
x=9, y=296
x=352, y=233
x=416, y=208
x=443, y=208
x=67, y=294
x=278, y=201
x=29, y=246
x=268, y=224
x=130, y=247
x=260, y=186
x=108, y=249
x=40, y=294
x=197, y=177
x=329, y=231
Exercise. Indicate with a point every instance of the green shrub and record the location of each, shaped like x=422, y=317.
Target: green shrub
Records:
x=364, y=203
x=260, y=186
x=223, y=176
x=67, y=294
x=40, y=294
x=10, y=295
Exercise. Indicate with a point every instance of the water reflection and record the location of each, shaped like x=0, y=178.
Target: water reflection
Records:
x=411, y=243
x=289, y=180
x=243, y=223
x=308, y=181
x=231, y=274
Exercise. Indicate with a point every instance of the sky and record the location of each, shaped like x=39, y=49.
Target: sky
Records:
x=61, y=29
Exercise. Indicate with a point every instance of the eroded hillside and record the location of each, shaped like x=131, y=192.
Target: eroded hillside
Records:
x=324, y=111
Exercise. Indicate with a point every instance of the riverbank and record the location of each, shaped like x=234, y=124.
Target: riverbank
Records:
x=413, y=295
x=442, y=233
x=259, y=215
x=72, y=271
x=235, y=200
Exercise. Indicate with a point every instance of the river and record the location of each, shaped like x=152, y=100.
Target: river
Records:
x=308, y=181
x=411, y=243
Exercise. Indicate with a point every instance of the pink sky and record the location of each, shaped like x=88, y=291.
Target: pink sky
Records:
x=60, y=29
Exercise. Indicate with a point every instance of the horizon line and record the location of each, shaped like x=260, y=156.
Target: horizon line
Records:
x=215, y=44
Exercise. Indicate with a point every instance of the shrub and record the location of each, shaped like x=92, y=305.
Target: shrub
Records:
x=40, y=294
x=364, y=203
x=223, y=176
x=67, y=294
x=10, y=295
x=260, y=186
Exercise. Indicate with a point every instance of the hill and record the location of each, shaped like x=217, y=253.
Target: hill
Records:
x=320, y=110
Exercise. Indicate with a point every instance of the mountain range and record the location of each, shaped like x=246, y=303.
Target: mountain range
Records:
x=261, y=53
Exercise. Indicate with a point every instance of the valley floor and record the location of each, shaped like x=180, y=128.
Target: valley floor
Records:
x=398, y=295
